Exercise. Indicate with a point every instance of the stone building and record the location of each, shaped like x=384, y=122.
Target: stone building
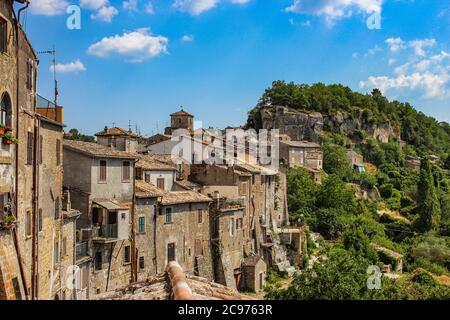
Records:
x=180, y=120
x=31, y=173
x=183, y=232
x=118, y=139
x=255, y=272
x=356, y=161
x=160, y=174
x=227, y=233
x=101, y=185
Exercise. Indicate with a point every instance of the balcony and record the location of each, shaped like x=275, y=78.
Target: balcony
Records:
x=106, y=233
x=81, y=250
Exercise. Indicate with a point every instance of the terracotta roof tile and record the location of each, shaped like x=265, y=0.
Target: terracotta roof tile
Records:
x=176, y=197
x=115, y=131
x=151, y=162
x=147, y=190
x=96, y=150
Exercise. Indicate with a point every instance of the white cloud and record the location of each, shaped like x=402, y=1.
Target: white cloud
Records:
x=187, y=38
x=48, y=7
x=93, y=4
x=428, y=75
x=135, y=46
x=75, y=66
x=395, y=44
x=419, y=46
x=149, y=8
x=333, y=10
x=105, y=14
x=130, y=5
x=197, y=7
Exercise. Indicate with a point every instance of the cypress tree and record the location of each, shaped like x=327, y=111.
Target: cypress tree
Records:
x=427, y=199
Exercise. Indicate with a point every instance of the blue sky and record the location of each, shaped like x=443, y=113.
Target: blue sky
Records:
x=140, y=60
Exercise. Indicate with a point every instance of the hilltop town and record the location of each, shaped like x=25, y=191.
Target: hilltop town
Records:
x=122, y=216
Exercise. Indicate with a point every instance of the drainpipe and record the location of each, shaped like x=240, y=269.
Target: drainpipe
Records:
x=34, y=274
x=133, y=230
x=16, y=200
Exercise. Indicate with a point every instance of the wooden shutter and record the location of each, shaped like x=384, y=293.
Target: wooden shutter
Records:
x=103, y=166
x=3, y=35
x=30, y=148
x=200, y=215
x=126, y=171
x=160, y=183
x=198, y=247
x=58, y=152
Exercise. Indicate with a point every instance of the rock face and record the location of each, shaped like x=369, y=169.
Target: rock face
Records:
x=310, y=125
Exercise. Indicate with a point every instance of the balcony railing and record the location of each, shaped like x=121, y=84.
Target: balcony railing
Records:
x=81, y=250
x=107, y=231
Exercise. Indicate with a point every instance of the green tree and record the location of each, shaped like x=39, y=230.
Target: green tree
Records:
x=335, y=160
x=301, y=191
x=337, y=195
x=427, y=199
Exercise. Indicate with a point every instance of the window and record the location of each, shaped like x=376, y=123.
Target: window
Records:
x=168, y=215
x=103, y=166
x=5, y=116
x=28, y=224
x=30, y=148
x=58, y=152
x=127, y=254
x=3, y=35
x=40, y=219
x=147, y=177
x=41, y=145
x=126, y=171
x=56, y=252
x=98, y=261
x=30, y=75
x=141, y=225
x=160, y=183
x=141, y=262
x=57, y=208
x=200, y=216
x=232, y=227
x=244, y=188
x=171, y=252
x=198, y=247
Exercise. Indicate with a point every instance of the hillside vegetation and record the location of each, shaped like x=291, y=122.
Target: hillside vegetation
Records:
x=407, y=212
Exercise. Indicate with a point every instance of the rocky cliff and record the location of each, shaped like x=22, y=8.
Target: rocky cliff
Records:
x=310, y=125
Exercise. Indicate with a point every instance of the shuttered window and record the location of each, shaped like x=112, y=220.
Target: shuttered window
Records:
x=127, y=255
x=30, y=148
x=160, y=183
x=41, y=142
x=58, y=152
x=28, y=224
x=200, y=216
x=103, y=166
x=126, y=171
x=30, y=75
x=57, y=208
x=3, y=35
x=141, y=225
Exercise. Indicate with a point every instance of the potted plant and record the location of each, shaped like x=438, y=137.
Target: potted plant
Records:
x=8, y=221
x=2, y=128
x=9, y=139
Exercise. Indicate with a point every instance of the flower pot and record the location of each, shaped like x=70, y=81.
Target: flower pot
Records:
x=6, y=141
x=2, y=130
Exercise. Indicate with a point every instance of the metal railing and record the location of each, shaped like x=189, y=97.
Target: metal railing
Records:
x=81, y=250
x=107, y=231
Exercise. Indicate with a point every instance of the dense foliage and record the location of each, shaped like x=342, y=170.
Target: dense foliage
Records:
x=424, y=134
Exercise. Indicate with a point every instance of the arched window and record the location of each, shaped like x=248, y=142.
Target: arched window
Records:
x=5, y=110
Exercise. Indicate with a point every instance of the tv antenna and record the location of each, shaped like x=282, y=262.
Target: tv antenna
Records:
x=53, y=53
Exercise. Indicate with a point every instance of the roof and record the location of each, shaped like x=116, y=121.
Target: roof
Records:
x=301, y=144
x=96, y=150
x=159, y=288
x=109, y=205
x=115, y=131
x=181, y=113
x=255, y=169
x=150, y=162
x=188, y=185
x=251, y=261
x=176, y=197
x=147, y=190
